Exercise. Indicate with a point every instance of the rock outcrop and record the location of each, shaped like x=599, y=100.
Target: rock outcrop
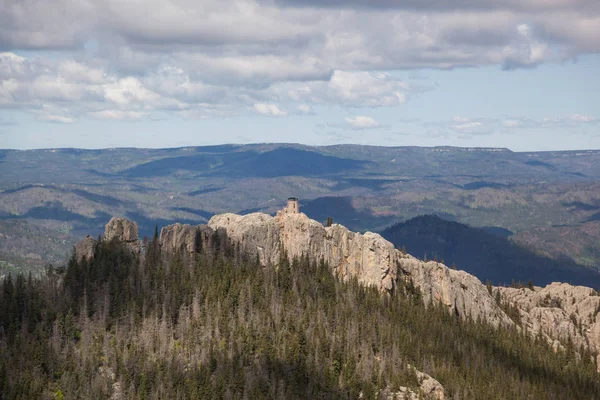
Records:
x=124, y=231
x=191, y=239
x=85, y=248
x=429, y=388
x=368, y=257
x=460, y=291
x=121, y=229
x=560, y=312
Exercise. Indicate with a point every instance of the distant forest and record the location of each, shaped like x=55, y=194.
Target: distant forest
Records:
x=487, y=254
x=217, y=325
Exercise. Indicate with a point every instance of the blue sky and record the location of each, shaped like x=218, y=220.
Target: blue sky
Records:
x=522, y=75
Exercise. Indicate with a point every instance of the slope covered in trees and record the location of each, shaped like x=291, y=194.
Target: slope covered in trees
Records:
x=219, y=326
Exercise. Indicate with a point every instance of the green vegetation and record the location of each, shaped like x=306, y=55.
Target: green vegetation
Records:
x=27, y=247
x=216, y=325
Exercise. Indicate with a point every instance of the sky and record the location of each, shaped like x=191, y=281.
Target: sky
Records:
x=520, y=74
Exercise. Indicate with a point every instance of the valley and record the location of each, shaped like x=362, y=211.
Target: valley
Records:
x=534, y=197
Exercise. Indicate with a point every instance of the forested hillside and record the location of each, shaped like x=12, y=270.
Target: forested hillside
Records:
x=484, y=254
x=219, y=326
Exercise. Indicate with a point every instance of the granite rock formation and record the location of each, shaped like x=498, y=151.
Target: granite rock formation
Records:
x=429, y=388
x=460, y=291
x=123, y=230
x=85, y=248
x=560, y=312
x=186, y=237
x=368, y=257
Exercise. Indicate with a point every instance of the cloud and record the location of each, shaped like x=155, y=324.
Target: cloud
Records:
x=347, y=88
x=49, y=113
x=305, y=109
x=583, y=118
x=470, y=126
x=465, y=127
x=362, y=122
x=100, y=58
x=118, y=115
x=57, y=118
x=270, y=110
x=512, y=123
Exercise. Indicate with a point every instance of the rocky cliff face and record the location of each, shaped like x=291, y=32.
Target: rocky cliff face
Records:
x=560, y=312
x=186, y=237
x=368, y=257
x=85, y=248
x=460, y=291
x=123, y=230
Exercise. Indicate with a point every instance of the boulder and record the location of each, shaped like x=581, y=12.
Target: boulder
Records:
x=429, y=388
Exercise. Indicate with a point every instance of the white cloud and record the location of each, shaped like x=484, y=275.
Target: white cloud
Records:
x=348, y=88
x=305, y=109
x=362, y=122
x=77, y=72
x=512, y=123
x=50, y=113
x=57, y=118
x=270, y=110
x=118, y=115
x=254, y=54
x=583, y=118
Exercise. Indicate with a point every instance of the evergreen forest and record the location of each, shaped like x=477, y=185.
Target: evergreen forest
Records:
x=215, y=324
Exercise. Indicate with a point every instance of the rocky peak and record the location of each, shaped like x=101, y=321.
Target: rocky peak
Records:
x=85, y=248
x=121, y=229
x=368, y=257
x=186, y=237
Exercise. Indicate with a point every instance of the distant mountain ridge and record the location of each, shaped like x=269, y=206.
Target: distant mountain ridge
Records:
x=484, y=254
x=362, y=187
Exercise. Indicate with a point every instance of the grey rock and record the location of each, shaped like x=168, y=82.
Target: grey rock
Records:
x=458, y=290
x=429, y=388
x=368, y=257
x=559, y=312
x=186, y=237
x=123, y=230
x=85, y=248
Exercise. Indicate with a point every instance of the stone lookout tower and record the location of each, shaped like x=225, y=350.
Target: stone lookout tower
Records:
x=292, y=206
